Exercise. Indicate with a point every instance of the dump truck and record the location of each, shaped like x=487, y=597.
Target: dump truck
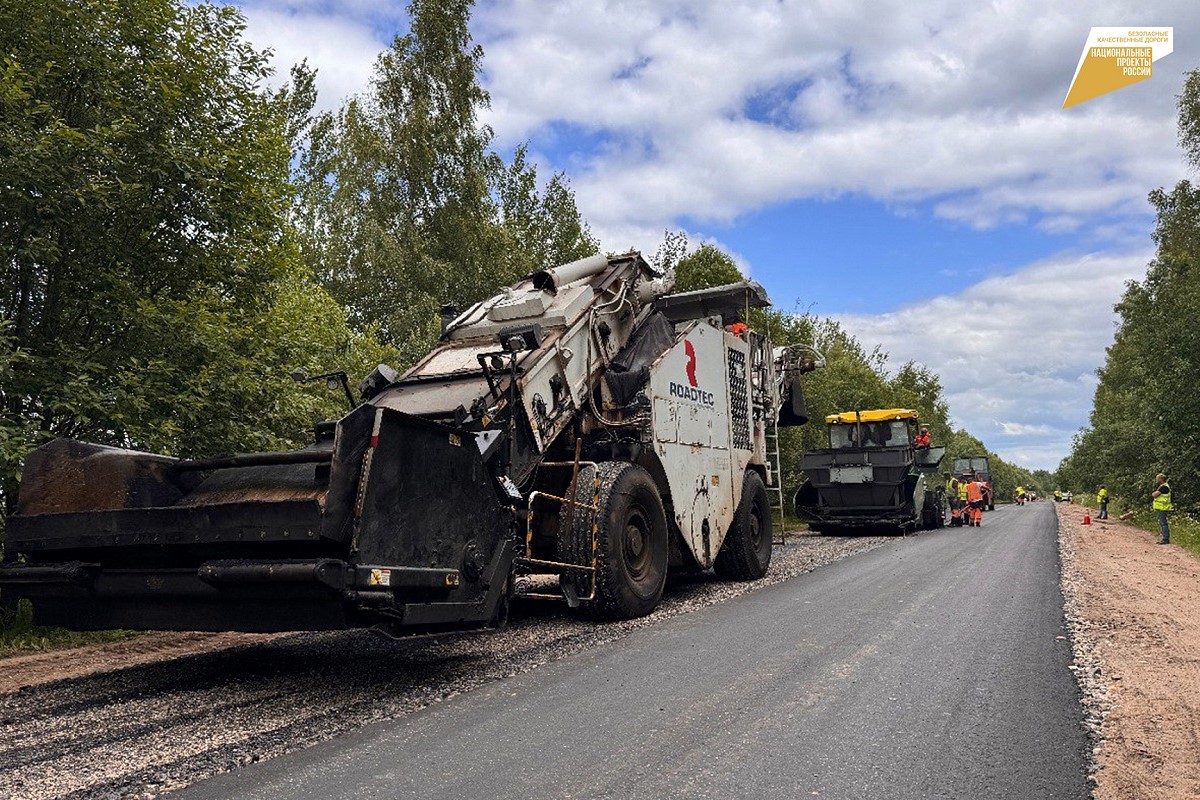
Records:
x=872, y=477
x=583, y=423
x=976, y=468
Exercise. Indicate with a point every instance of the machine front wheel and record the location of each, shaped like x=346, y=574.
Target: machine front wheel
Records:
x=631, y=540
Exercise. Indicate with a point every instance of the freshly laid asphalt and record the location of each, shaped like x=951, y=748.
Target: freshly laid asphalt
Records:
x=930, y=667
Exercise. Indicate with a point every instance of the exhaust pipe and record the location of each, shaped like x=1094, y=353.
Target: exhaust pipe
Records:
x=551, y=280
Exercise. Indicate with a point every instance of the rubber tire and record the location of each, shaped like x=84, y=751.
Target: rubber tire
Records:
x=940, y=505
x=629, y=576
x=745, y=555
x=928, y=521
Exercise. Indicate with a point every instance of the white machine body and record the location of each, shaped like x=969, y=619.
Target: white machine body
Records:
x=709, y=410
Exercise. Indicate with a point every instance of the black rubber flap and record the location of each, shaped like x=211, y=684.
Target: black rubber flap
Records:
x=630, y=370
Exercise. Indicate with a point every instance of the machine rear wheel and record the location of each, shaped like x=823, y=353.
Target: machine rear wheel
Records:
x=745, y=554
x=631, y=540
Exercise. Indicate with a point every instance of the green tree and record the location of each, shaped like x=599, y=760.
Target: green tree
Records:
x=704, y=267
x=1146, y=414
x=400, y=181
x=15, y=430
x=150, y=284
x=918, y=387
x=543, y=227
x=403, y=204
x=670, y=251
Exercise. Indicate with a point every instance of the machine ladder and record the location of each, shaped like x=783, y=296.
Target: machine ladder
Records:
x=775, y=475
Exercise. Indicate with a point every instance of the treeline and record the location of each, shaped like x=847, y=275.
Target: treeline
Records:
x=175, y=238
x=1145, y=415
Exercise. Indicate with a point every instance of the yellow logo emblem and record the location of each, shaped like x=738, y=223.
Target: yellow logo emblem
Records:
x=1114, y=58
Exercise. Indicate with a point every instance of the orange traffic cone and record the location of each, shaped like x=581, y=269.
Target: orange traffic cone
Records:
x=1087, y=519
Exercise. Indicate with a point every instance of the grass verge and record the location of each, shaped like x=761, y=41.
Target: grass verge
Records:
x=19, y=635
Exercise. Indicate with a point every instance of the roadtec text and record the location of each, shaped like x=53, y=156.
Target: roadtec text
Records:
x=690, y=393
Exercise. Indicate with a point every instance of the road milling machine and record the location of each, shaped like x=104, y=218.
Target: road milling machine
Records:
x=872, y=477
x=583, y=423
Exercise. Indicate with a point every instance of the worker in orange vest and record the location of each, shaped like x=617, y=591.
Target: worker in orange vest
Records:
x=975, y=502
x=923, y=439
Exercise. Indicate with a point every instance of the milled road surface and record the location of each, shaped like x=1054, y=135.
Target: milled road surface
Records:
x=933, y=667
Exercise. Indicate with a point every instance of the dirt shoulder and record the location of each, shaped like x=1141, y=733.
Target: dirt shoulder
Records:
x=1134, y=607
x=21, y=671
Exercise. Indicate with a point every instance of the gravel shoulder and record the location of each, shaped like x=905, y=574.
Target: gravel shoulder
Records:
x=1134, y=611
x=116, y=723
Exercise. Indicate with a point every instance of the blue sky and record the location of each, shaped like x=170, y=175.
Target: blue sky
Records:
x=805, y=250
x=906, y=168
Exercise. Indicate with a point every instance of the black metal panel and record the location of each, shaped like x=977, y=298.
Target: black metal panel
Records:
x=64, y=476
x=290, y=520
x=274, y=613
x=793, y=410
x=884, y=493
x=177, y=599
x=929, y=459
x=739, y=402
x=265, y=483
x=352, y=440
x=430, y=502
x=730, y=300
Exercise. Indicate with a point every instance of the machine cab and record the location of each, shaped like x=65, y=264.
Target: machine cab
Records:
x=864, y=429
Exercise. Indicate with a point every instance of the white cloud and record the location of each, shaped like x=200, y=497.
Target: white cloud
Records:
x=945, y=101
x=713, y=108
x=1021, y=429
x=341, y=45
x=1016, y=353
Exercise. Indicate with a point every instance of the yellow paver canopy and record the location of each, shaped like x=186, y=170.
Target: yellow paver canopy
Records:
x=875, y=415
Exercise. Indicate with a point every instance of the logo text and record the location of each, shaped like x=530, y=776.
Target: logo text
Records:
x=691, y=393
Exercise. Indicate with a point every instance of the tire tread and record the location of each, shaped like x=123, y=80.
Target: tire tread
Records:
x=607, y=604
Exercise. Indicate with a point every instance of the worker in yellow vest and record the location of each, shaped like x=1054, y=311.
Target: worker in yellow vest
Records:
x=1102, y=501
x=951, y=489
x=959, y=514
x=1162, y=503
x=952, y=494
x=1020, y=495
